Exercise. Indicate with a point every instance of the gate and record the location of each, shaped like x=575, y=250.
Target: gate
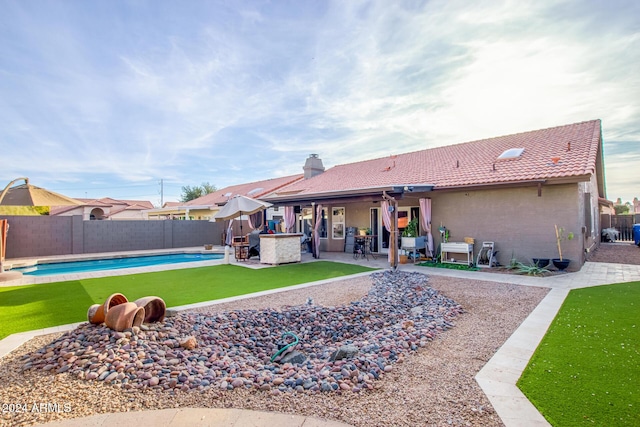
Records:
x=622, y=223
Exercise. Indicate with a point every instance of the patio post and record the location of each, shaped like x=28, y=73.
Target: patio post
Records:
x=393, y=231
x=4, y=226
x=313, y=234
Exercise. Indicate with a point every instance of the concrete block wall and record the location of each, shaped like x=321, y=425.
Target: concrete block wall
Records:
x=38, y=236
x=111, y=236
x=33, y=236
x=196, y=233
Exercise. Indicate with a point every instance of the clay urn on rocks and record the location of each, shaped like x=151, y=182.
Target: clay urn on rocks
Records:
x=154, y=308
x=124, y=316
x=97, y=312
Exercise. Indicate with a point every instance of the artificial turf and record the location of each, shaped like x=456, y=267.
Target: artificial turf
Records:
x=586, y=370
x=30, y=307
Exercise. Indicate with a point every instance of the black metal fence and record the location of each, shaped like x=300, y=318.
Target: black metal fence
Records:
x=622, y=223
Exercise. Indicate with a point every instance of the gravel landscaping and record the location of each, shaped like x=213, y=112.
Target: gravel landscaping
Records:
x=619, y=253
x=411, y=368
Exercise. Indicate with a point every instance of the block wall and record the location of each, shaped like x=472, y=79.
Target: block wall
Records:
x=33, y=236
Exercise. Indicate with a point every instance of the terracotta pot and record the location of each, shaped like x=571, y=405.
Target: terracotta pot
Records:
x=97, y=312
x=93, y=316
x=124, y=316
x=154, y=308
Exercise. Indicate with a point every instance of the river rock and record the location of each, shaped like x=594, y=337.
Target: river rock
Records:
x=343, y=348
x=189, y=343
x=344, y=352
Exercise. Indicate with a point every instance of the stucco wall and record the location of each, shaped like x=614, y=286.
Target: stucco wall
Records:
x=44, y=235
x=519, y=222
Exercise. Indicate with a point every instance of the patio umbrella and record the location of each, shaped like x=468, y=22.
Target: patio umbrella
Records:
x=27, y=195
x=30, y=195
x=238, y=206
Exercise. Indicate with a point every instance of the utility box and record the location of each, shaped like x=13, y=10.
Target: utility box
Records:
x=636, y=234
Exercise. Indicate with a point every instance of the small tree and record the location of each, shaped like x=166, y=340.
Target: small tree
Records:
x=191, y=193
x=561, y=235
x=621, y=209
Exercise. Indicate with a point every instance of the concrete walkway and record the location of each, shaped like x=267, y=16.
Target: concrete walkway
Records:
x=497, y=378
x=197, y=417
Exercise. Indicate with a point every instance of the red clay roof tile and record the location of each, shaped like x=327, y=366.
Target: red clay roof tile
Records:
x=256, y=188
x=471, y=163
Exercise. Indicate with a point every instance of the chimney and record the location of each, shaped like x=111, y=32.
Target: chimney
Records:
x=313, y=166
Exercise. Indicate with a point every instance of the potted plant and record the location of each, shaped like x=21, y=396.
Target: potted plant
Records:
x=561, y=235
x=410, y=233
x=541, y=262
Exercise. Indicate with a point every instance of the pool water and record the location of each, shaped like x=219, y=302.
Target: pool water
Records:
x=113, y=264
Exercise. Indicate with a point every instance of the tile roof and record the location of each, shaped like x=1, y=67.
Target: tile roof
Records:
x=171, y=204
x=108, y=201
x=118, y=205
x=471, y=163
x=254, y=190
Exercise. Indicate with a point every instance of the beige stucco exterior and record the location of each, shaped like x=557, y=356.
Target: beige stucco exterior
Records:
x=520, y=220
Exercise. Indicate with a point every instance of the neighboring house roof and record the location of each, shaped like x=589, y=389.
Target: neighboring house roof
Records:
x=171, y=204
x=254, y=190
x=116, y=205
x=575, y=149
x=121, y=208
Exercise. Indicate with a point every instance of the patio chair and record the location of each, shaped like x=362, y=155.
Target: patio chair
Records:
x=305, y=243
x=254, y=244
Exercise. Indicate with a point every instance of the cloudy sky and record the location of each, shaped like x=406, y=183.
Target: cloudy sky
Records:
x=106, y=98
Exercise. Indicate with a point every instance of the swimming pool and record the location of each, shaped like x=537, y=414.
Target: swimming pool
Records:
x=54, y=268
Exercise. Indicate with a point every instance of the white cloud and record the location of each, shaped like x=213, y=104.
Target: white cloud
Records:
x=197, y=94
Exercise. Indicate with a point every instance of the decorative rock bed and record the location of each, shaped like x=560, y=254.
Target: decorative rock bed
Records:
x=197, y=351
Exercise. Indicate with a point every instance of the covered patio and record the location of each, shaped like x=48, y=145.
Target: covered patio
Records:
x=330, y=218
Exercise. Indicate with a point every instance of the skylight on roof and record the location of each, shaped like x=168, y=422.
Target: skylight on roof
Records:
x=255, y=190
x=511, y=153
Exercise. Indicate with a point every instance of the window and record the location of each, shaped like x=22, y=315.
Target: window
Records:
x=337, y=223
x=322, y=231
x=588, y=223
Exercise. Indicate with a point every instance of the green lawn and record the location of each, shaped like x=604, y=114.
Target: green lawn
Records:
x=25, y=308
x=448, y=266
x=586, y=370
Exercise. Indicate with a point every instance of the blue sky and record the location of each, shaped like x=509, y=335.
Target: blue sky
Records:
x=106, y=98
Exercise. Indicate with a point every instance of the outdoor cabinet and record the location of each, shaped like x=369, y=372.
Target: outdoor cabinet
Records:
x=459, y=248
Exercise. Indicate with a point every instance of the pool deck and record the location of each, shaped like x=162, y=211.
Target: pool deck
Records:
x=497, y=378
